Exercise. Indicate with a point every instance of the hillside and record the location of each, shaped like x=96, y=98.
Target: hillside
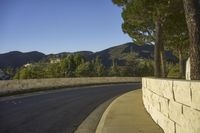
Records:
x=17, y=59
x=119, y=53
x=64, y=54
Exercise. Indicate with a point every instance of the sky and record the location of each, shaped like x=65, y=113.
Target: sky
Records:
x=54, y=26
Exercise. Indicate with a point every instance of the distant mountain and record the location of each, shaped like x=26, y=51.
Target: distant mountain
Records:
x=17, y=59
x=63, y=54
x=118, y=53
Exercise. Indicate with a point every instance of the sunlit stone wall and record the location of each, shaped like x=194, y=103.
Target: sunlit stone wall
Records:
x=173, y=104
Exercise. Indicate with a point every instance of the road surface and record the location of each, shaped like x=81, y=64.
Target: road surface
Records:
x=57, y=111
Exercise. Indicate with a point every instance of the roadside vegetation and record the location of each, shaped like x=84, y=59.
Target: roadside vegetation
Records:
x=76, y=66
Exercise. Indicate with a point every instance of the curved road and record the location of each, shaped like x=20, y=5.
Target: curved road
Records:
x=57, y=111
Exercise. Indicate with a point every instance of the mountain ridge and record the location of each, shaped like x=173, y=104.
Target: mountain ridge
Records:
x=16, y=59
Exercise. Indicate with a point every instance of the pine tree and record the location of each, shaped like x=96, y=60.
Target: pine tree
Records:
x=84, y=70
x=99, y=68
x=114, y=70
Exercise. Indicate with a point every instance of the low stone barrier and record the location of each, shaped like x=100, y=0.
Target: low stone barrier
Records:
x=173, y=104
x=9, y=86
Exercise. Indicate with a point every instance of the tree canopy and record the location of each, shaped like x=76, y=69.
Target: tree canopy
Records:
x=159, y=22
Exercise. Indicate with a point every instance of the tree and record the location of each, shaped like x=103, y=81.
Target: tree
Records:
x=145, y=68
x=144, y=21
x=99, y=68
x=114, y=69
x=25, y=73
x=78, y=59
x=192, y=13
x=84, y=70
x=131, y=66
x=53, y=70
x=69, y=65
x=176, y=35
x=179, y=48
x=64, y=64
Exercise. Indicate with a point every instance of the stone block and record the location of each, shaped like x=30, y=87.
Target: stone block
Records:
x=175, y=112
x=166, y=124
x=166, y=88
x=164, y=106
x=154, y=85
x=149, y=95
x=192, y=120
x=195, y=87
x=180, y=129
x=155, y=114
x=155, y=101
x=182, y=92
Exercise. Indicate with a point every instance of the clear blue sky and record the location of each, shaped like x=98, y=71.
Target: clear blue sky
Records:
x=53, y=26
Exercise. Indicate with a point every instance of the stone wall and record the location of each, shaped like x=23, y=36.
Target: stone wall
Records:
x=173, y=104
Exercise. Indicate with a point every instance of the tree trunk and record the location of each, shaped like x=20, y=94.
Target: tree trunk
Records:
x=192, y=13
x=163, y=60
x=181, y=64
x=157, y=59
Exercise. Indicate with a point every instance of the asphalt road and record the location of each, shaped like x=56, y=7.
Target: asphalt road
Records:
x=60, y=111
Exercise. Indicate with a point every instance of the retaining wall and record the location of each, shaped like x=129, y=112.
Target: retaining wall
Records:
x=173, y=104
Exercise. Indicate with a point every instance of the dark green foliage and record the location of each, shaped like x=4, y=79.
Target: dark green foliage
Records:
x=145, y=68
x=120, y=2
x=130, y=69
x=159, y=21
x=9, y=71
x=173, y=70
x=85, y=70
x=114, y=69
x=99, y=68
x=76, y=66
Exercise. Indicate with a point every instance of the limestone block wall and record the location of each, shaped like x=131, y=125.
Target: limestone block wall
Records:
x=173, y=104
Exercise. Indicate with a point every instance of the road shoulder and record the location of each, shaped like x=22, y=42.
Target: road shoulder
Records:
x=127, y=114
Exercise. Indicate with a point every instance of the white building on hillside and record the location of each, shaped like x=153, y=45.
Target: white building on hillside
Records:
x=27, y=65
x=52, y=61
